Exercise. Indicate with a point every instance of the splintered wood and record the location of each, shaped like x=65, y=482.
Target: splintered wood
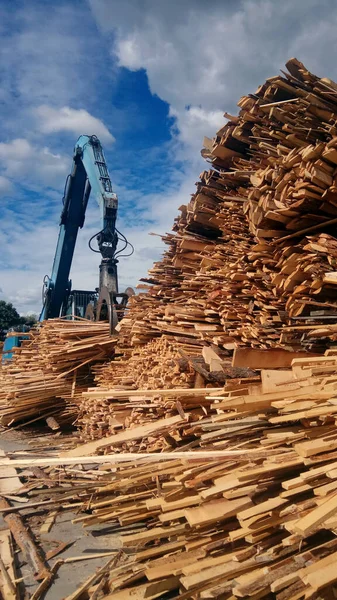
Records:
x=259, y=524
x=158, y=365
x=50, y=371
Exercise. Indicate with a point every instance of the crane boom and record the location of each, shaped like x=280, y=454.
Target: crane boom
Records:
x=89, y=175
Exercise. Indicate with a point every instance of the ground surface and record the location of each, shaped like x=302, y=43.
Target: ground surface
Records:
x=84, y=541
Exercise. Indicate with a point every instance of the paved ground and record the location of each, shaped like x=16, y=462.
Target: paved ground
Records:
x=84, y=541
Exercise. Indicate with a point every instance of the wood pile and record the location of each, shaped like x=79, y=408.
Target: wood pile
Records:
x=258, y=522
x=50, y=370
x=253, y=516
x=158, y=364
x=251, y=264
x=255, y=249
x=220, y=471
x=239, y=270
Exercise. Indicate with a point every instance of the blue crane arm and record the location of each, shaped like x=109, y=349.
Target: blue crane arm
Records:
x=90, y=150
x=89, y=175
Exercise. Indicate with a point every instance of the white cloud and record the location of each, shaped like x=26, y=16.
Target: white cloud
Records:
x=47, y=59
x=205, y=56
x=19, y=149
x=21, y=161
x=194, y=123
x=45, y=56
x=77, y=121
x=27, y=254
x=5, y=185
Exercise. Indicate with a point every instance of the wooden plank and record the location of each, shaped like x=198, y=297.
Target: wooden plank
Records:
x=266, y=359
x=9, y=480
x=169, y=392
x=323, y=512
x=272, y=380
x=229, y=569
x=321, y=574
x=7, y=556
x=124, y=436
x=48, y=522
x=148, y=590
x=113, y=459
x=156, y=533
x=267, y=506
x=216, y=511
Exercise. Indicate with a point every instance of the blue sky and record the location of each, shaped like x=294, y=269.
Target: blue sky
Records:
x=150, y=78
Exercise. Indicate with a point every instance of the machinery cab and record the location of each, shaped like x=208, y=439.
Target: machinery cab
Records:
x=96, y=305
x=78, y=301
x=13, y=340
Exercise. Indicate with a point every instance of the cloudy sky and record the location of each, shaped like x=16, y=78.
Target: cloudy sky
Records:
x=150, y=78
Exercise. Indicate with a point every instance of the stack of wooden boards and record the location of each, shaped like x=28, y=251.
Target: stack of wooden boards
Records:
x=261, y=519
x=230, y=278
x=244, y=506
x=161, y=364
x=158, y=364
x=255, y=248
x=252, y=262
x=51, y=369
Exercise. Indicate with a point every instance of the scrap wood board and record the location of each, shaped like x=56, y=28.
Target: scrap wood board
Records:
x=7, y=557
x=9, y=480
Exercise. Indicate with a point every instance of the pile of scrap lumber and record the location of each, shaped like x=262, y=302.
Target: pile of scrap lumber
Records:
x=220, y=471
x=160, y=364
x=50, y=370
x=251, y=263
x=239, y=269
x=244, y=506
x=254, y=250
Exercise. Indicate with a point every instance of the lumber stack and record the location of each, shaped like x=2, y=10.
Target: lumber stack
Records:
x=241, y=269
x=250, y=267
x=255, y=249
x=229, y=486
x=50, y=371
x=260, y=520
x=163, y=364
x=158, y=364
x=253, y=515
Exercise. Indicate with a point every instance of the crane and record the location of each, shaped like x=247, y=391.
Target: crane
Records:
x=89, y=175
